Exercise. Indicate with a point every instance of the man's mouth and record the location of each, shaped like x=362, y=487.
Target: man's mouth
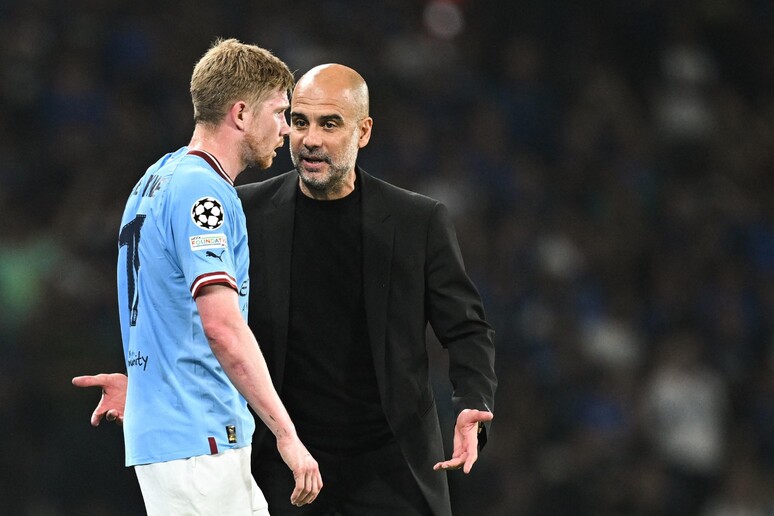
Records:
x=313, y=162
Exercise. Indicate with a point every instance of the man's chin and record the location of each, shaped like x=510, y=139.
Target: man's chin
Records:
x=262, y=164
x=313, y=181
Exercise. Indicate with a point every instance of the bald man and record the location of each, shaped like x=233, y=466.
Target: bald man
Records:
x=346, y=272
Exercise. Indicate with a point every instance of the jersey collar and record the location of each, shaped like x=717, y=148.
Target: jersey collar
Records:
x=213, y=162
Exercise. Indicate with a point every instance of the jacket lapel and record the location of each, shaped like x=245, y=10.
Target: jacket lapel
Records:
x=278, y=243
x=378, y=238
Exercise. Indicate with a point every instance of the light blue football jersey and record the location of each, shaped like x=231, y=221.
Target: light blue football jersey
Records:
x=183, y=228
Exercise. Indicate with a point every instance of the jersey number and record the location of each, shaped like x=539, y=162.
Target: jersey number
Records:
x=130, y=237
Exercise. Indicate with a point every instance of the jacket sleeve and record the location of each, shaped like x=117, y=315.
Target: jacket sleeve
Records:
x=456, y=314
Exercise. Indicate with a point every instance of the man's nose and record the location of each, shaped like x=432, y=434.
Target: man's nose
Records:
x=313, y=137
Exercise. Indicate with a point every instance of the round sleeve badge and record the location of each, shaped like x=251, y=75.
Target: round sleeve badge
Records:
x=207, y=213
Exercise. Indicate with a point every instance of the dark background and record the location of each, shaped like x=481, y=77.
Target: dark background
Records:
x=608, y=165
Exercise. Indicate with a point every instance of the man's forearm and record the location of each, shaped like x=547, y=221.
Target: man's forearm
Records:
x=237, y=351
x=244, y=364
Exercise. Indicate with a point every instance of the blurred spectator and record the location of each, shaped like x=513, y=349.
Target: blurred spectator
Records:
x=685, y=415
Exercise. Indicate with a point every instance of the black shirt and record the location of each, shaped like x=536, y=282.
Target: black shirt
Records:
x=330, y=385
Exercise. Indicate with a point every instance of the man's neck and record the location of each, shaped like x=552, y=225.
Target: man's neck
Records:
x=219, y=145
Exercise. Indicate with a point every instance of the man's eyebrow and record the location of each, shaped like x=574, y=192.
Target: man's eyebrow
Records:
x=321, y=119
x=330, y=118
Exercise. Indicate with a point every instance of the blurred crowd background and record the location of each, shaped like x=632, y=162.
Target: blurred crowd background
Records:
x=608, y=165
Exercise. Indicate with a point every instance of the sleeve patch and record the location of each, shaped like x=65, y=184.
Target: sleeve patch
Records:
x=207, y=213
x=202, y=242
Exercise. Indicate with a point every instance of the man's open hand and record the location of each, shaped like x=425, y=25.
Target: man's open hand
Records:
x=111, y=404
x=465, y=440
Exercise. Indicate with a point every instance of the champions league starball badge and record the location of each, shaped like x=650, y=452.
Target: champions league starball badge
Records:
x=207, y=213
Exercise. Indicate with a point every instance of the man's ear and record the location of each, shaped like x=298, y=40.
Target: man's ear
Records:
x=365, y=131
x=237, y=113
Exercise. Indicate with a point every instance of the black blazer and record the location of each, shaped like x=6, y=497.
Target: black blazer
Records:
x=413, y=275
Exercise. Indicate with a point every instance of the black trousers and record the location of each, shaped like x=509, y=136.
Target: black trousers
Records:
x=374, y=483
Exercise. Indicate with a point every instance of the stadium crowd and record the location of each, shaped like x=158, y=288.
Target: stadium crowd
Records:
x=610, y=171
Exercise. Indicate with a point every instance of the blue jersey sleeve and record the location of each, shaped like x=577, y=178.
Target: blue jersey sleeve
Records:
x=204, y=223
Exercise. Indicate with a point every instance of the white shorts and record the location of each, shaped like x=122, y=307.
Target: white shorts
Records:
x=202, y=486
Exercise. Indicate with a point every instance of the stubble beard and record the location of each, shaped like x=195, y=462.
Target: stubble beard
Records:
x=329, y=183
x=252, y=157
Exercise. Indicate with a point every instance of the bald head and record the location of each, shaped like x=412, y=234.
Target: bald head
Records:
x=334, y=83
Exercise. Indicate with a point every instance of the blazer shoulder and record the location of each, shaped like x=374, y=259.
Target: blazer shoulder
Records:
x=263, y=189
x=405, y=199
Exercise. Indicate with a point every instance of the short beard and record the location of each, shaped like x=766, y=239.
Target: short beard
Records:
x=250, y=157
x=329, y=185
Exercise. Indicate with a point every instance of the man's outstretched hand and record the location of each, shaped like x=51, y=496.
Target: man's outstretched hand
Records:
x=465, y=440
x=111, y=405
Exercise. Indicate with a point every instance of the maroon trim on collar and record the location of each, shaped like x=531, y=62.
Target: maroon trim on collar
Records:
x=213, y=162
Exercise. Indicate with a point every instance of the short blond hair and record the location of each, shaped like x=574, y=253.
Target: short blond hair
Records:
x=230, y=71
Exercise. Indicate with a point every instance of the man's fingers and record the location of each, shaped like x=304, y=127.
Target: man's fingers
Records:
x=300, y=492
x=303, y=498
x=111, y=416
x=308, y=486
x=472, y=458
x=314, y=489
x=300, y=496
x=485, y=416
x=114, y=416
x=455, y=463
x=317, y=487
x=87, y=381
